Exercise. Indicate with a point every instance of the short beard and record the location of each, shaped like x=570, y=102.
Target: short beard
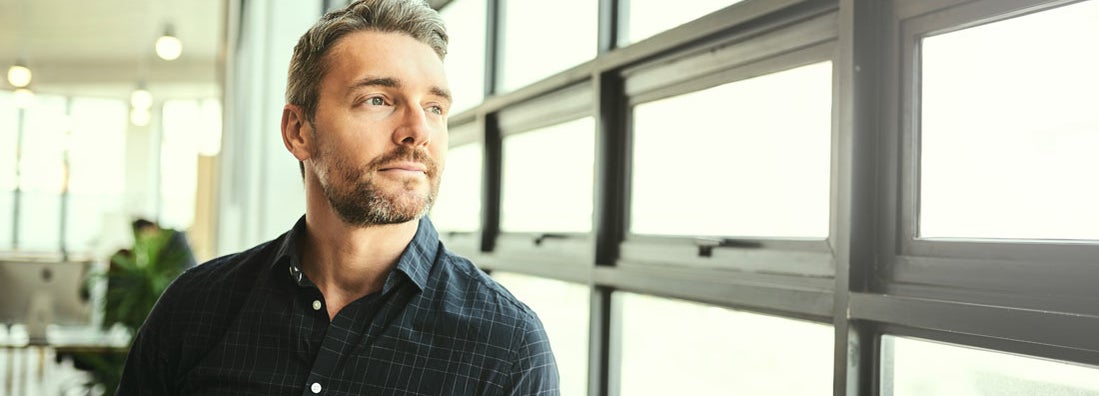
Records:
x=364, y=204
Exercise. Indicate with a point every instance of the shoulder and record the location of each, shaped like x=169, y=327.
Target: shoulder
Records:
x=211, y=292
x=466, y=282
x=486, y=304
x=228, y=272
x=531, y=367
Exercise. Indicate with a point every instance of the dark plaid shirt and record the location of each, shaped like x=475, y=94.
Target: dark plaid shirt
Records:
x=253, y=324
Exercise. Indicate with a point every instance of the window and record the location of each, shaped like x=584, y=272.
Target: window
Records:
x=458, y=206
x=97, y=170
x=179, y=150
x=730, y=161
x=1011, y=160
x=465, y=59
x=563, y=308
x=547, y=178
x=46, y=134
x=707, y=349
x=539, y=38
x=9, y=130
x=919, y=367
x=649, y=17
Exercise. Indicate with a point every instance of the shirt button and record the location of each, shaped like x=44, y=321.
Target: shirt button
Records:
x=316, y=387
x=317, y=307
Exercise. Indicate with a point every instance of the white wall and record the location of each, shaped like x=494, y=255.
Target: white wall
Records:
x=261, y=191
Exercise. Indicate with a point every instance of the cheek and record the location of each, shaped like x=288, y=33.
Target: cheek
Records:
x=438, y=154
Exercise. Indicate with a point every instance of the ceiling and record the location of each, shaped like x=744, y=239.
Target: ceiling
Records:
x=105, y=47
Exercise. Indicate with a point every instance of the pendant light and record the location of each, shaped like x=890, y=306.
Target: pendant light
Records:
x=19, y=75
x=168, y=46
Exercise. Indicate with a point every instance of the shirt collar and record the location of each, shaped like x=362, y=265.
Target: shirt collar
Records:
x=415, y=262
x=419, y=256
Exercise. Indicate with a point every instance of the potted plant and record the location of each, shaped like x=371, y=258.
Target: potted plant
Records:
x=135, y=280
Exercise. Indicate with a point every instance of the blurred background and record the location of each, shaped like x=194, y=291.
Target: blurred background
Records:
x=763, y=197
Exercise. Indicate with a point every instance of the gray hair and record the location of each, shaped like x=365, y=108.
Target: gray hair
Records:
x=309, y=65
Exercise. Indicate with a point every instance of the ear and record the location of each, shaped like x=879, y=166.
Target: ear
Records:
x=297, y=132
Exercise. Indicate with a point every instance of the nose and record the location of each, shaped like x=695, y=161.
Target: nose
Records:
x=413, y=129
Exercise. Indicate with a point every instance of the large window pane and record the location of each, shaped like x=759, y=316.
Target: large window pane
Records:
x=649, y=17
x=45, y=137
x=42, y=173
x=540, y=38
x=97, y=159
x=918, y=367
x=458, y=207
x=547, y=178
x=7, y=219
x=711, y=350
x=731, y=161
x=179, y=162
x=465, y=59
x=564, y=310
x=39, y=221
x=1008, y=142
x=9, y=127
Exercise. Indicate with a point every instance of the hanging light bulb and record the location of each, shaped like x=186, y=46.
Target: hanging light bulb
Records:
x=141, y=98
x=168, y=46
x=19, y=75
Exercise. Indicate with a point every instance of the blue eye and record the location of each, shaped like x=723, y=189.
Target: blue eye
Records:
x=376, y=101
x=436, y=109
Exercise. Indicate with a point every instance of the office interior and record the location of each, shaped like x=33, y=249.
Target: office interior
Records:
x=699, y=197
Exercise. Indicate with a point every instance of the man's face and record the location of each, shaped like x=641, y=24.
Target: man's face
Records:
x=380, y=128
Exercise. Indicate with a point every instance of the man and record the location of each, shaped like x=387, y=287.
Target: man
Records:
x=359, y=298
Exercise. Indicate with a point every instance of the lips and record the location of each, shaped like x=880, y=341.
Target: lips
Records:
x=404, y=166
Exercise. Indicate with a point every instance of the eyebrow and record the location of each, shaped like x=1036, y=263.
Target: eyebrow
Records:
x=390, y=82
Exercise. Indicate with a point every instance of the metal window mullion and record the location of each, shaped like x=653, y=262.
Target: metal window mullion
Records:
x=491, y=169
x=858, y=75
x=494, y=25
x=17, y=192
x=66, y=167
x=610, y=25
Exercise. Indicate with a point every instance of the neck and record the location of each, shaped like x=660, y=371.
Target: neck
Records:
x=348, y=262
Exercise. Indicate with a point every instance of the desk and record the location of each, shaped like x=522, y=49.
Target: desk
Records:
x=48, y=369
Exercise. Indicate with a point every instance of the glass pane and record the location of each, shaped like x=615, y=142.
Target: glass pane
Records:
x=458, y=207
x=918, y=367
x=547, y=178
x=1007, y=143
x=97, y=155
x=7, y=220
x=179, y=163
x=210, y=136
x=564, y=309
x=465, y=58
x=731, y=161
x=9, y=126
x=42, y=173
x=97, y=159
x=712, y=350
x=540, y=38
x=40, y=221
x=649, y=17
x=45, y=138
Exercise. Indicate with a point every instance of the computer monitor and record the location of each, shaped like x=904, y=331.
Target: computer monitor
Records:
x=38, y=292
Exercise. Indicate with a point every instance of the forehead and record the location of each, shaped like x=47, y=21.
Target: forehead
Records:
x=383, y=54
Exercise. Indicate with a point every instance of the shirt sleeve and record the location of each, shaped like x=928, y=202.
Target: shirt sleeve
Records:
x=146, y=370
x=535, y=370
